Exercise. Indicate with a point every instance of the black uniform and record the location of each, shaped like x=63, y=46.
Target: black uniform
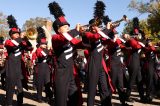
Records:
x=115, y=53
x=65, y=86
x=148, y=71
x=13, y=71
x=96, y=72
x=135, y=68
x=43, y=73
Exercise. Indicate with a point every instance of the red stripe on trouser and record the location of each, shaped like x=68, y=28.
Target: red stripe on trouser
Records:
x=109, y=78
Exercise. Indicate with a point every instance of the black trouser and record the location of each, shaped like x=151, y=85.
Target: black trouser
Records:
x=148, y=77
x=135, y=75
x=117, y=79
x=65, y=87
x=3, y=76
x=48, y=91
x=98, y=77
x=10, y=87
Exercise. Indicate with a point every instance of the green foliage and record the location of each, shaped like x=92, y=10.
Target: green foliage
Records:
x=3, y=25
x=151, y=26
x=34, y=23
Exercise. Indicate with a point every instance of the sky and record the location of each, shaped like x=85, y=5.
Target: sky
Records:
x=76, y=11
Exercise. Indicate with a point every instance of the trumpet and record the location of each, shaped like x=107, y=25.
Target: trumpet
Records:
x=117, y=23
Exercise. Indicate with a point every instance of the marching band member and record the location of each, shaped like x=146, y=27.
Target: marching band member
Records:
x=96, y=68
x=14, y=47
x=115, y=47
x=43, y=56
x=133, y=65
x=62, y=43
x=149, y=68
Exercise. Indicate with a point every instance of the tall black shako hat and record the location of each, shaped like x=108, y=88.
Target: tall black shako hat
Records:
x=99, y=11
x=41, y=38
x=106, y=19
x=135, y=25
x=12, y=25
x=59, y=16
x=136, y=28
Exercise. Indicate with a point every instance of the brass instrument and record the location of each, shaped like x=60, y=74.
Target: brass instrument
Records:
x=31, y=33
x=117, y=23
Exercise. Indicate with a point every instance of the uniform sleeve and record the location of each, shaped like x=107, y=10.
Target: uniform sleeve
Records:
x=92, y=36
x=10, y=45
x=119, y=42
x=74, y=32
x=26, y=45
x=40, y=53
x=134, y=44
x=58, y=41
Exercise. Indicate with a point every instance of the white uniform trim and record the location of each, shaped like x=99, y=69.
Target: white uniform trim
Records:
x=122, y=40
x=67, y=36
x=68, y=50
x=44, y=61
x=17, y=54
x=139, y=50
x=141, y=44
x=68, y=56
x=99, y=45
x=15, y=42
x=103, y=35
x=43, y=53
x=100, y=49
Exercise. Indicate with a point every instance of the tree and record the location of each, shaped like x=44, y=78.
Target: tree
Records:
x=3, y=25
x=143, y=26
x=152, y=7
x=34, y=23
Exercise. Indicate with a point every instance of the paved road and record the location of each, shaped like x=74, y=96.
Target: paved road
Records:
x=30, y=99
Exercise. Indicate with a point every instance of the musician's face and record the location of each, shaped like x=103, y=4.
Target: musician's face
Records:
x=93, y=29
x=126, y=36
x=15, y=35
x=63, y=29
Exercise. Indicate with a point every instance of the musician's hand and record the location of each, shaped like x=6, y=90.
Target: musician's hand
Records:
x=109, y=25
x=19, y=40
x=78, y=27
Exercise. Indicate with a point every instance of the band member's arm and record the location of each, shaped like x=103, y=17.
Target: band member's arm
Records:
x=92, y=36
x=11, y=45
x=40, y=53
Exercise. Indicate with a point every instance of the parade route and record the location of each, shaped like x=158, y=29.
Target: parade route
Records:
x=30, y=99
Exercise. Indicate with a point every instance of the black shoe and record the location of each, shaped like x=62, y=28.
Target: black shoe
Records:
x=40, y=101
x=149, y=99
x=20, y=99
x=130, y=100
x=143, y=100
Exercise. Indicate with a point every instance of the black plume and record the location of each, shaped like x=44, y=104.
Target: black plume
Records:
x=99, y=10
x=106, y=19
x=55, y=10
x=41, y=34
x=136, y=23
x=12, y=22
